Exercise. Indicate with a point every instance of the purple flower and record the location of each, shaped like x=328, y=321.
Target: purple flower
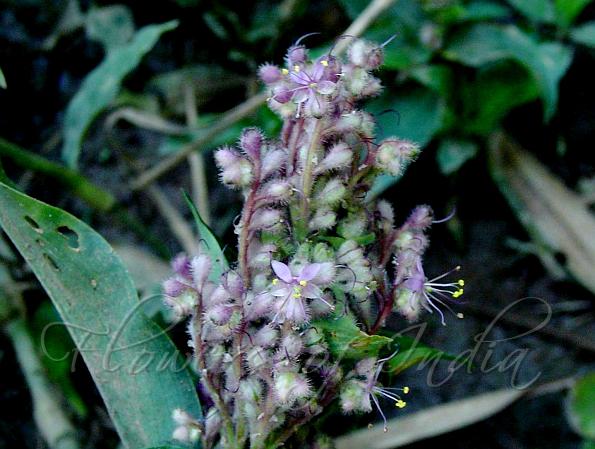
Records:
x=417, y=291
x=311, y=87
x=362, y=389
x=291, y=292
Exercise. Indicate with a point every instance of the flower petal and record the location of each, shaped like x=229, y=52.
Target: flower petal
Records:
x=309, y=272
x=325, y=87
x=300, y=95
x=311, y=291
x=282, y=271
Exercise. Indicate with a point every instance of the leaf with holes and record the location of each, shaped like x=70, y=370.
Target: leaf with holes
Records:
x=102, y=85
x=138, y=371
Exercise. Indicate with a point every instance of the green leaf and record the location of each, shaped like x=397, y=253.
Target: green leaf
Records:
x=210, y=243
x=112, y=26
x=584, y=34
x=568, y=10
x=417, y=115
x=101, y=87
x=453, y=153
x=412, y=353
x=2, y=80
x=57, y=353
x=436, y=77
x=347, y=341
x=535, y=10
x=484, y=10
x=581, y=406
x=136, y=368
x=168, y=446
x=588, y=445
x=496, y=91
x=547, y=62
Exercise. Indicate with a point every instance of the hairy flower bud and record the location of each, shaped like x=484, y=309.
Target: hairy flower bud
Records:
x=353, y=226
x=200, y=266
x=322, y=219
x=393, y=155
x=269, y=73
x=236, y=171
x=220, y=314
x=358, y=122
x=182, y=305
x=266, y=336
x=233, y=284
x=365, y=54
x=272, y=162
x=291, y=386
x=257, y=358
x=291, y=346
x=354, y=397
x=332, y=192
x=276, y=190
x=296, y=55
x=173, y=287
x=339, y=156
x=251, y=142
x=181, y=266
x=251, y=390
x=386, y=213
x=266, y=219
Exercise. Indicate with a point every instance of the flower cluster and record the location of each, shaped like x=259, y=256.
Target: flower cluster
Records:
x=312, y=250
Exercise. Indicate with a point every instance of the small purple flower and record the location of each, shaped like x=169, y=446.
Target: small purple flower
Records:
x=363, y=389
x=417, y=291
x=311, y=86
x=291, y=292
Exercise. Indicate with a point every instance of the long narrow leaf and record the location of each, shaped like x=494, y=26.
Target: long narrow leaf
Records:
x=209, y=242
x=102, y=85
x=137, y=369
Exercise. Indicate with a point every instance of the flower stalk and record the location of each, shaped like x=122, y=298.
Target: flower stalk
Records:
x=312, y=254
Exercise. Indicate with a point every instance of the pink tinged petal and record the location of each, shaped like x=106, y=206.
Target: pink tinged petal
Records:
x=325, y=87
x=315, y=106
x=309, y=272
x=301, y=95
x=299, y=78
x=318, y=70
x=282, y=271
x=295, y=310
x=284, y=290
x=311, y=291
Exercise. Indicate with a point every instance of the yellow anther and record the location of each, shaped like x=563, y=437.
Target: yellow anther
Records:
x=406, y=390
x=296, y=68
x=461, y=282
x=312, y=85
x=324, y=62
x=275, y=281
x=297, y=295
x=400, y=403
x=284, y=71
x=303, y=283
